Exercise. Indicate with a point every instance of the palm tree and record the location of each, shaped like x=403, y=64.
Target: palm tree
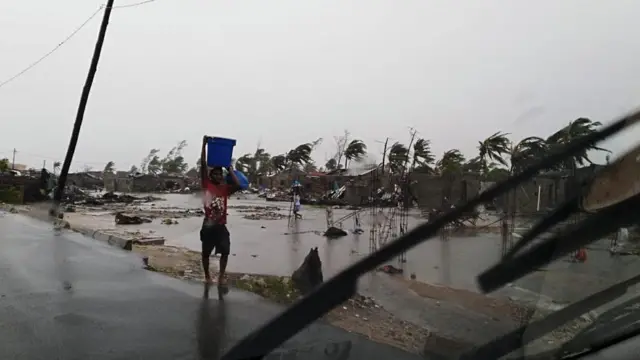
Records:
x=526, y=152
x=493, y=148
x=422, y=156
x=300, y=155
x=109, y=167
x=257, y=164
x=574, y=130
x=398, y=156
x=279, y=162
x=451, y=161
x=265, y=166
x=474, y=165
x=332, y=164
x=354, y=151
x=244, y=163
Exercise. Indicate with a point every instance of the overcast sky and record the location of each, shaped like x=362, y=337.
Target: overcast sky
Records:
x=284, y=72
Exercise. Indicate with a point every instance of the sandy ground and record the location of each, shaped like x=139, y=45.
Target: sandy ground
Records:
x=363, y=315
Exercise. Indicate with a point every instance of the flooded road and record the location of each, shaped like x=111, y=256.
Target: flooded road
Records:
x=272, y=247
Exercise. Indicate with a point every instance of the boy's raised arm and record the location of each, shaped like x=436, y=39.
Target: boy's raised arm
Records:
x=203, y=162
x=236, y=183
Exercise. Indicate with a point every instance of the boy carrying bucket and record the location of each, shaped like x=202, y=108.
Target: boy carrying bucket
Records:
x=214, y=233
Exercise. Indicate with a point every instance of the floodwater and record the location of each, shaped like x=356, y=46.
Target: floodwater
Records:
x=272, y=247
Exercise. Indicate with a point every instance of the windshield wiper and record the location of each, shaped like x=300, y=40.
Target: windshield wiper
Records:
x=568, y=240
x=527, y=333
x=613, y=323
x=343, y=286
x=559, y=214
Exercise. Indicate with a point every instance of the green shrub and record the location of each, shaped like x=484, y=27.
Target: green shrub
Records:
x=11, y=195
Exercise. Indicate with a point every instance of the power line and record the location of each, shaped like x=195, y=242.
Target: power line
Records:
x=54, y=49
x=133, y=5
x=73, y=33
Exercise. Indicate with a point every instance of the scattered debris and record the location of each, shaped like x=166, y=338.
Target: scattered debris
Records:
x=122, y=219
x=309, y=274
x=334, y=232
x=169, y=221
x=266, y=215
x=390, y=269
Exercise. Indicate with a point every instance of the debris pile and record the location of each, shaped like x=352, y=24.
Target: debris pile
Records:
x=122, y=219
x=334, y=233
x=309, y=275
x=265, y=215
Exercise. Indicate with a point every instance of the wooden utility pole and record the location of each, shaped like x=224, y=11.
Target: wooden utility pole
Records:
x=84, y=97
x=13, y=162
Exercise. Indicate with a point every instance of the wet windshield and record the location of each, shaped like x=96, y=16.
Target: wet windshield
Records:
x=389, y=180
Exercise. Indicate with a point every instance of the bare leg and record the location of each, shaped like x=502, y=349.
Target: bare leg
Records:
x=205, y=268
x=207, y=248
x=223, y=269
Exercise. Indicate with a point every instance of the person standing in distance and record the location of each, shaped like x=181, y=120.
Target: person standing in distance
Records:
x=214, y=233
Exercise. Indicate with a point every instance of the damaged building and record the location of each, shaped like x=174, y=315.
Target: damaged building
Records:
x=87, y=180
x=123, y=181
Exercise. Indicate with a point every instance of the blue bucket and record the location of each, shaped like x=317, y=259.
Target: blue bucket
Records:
x=242, y=179
x=220, y=152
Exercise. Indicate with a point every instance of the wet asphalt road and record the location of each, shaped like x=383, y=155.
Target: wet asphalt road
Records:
x=63, y=296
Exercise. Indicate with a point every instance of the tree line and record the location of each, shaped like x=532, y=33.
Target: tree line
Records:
x=497, y=156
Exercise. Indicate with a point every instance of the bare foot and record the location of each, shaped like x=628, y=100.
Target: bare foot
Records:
x=208, y=280
x=222, y=280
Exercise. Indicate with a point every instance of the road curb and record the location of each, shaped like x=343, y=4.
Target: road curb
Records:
x=110, y=239
x=113, y=240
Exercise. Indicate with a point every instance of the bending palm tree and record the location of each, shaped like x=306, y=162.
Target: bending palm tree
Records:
x=493, y=148
x=576, y=129
x=332, y=164
x=422, y=156
x=527, y=152
x=279, y=163
x=244, y=162
x=452, y=161
x=300, y=155
x=398, y=155
x=354, y=151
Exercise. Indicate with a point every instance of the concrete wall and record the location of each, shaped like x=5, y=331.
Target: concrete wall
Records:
x=311, y=184
x=84, y=181
x=436, y=192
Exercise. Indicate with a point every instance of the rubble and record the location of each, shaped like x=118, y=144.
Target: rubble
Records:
x=76, y=196
x=122, y=219
x=309, y=275
x=265, y=215
x=334, y=233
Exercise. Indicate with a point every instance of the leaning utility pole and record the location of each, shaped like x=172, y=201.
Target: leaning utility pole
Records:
x=81, y=108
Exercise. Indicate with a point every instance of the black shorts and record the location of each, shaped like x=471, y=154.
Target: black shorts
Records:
x=215, y=237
